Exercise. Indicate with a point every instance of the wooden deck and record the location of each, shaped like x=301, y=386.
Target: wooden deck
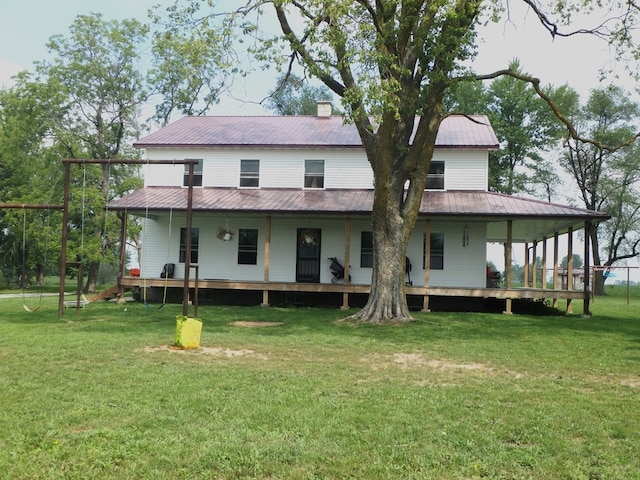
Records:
x=266, y=287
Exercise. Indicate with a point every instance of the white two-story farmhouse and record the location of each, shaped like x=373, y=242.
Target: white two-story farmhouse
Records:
x=275, y=198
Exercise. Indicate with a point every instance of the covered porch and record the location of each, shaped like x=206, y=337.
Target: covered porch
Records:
x=508, y=220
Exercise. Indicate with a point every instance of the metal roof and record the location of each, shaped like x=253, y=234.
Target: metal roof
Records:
x=456, y=131
x=532, y=218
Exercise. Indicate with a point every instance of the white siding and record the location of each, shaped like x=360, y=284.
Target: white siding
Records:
x=465, y=169
x=463, y=266
x=284, y=168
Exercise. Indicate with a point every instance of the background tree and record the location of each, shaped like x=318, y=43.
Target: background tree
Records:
x=294, y=96
x=608, y=180
x=96, y=68
x=577, y=261
x=526, y=127
x=190, y=67
x=29, y=173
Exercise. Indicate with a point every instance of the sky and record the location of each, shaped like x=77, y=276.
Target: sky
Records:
x=27, y=25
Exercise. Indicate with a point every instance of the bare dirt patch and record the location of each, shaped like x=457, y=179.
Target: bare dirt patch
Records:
x=406, y=361
x=631, y=382
x=207, y=351
x=248, y=324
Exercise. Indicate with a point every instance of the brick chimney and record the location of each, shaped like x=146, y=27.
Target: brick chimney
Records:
x=324, y=109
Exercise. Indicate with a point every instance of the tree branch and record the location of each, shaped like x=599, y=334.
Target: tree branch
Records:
x=535, y=83
x=554, y=30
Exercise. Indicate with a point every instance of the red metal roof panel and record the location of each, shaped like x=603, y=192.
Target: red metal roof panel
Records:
x=456, y=131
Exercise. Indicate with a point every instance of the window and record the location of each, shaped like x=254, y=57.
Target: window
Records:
x=366, y=249
x=435, y=177
x=195, y=234
x=249, y=173
x=197, y=174
x=314, y=174
x=247, y=246
x=436, y=257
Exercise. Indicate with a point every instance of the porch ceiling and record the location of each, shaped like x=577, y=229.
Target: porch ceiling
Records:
x=532, y=219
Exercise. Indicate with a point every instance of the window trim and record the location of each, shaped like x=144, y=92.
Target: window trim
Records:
x=432, y=255
x=195, y=245
x=198, y=169
x=366, y=255
x=249, y=175
x=252, y=251
x=312, y=176
x=436, y=177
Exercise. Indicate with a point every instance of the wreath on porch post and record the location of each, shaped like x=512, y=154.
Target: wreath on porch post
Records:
x=309, y=237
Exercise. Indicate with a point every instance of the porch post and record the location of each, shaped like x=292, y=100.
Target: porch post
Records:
x=187, y=247
x=587, y=254
x=534, y=264
x=543, y=280
x=63, y=244
x=508, y=249
x=347, y=251
x=427, y=264
x=569, y=266
x=527, y=273
x=267, y=259
x=555, y=267
x=123, y=253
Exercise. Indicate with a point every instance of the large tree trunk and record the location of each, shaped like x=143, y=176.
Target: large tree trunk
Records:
x=394, y=214
x=99, y=233
x=39, y=275
x=598, y=280
x=387, y=301
x=92, y=277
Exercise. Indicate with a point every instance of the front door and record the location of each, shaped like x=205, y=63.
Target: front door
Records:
x=308, y=255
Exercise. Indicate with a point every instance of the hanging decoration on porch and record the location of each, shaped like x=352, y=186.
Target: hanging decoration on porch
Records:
x=465, y=236
x=224, y=234
x=309, y=236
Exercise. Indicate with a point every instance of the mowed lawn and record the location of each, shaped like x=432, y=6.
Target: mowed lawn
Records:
x=100, y=395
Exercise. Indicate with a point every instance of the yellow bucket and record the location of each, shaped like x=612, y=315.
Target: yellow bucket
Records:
x=188, y=331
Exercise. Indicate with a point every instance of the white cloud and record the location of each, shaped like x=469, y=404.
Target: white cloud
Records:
x=7, y=70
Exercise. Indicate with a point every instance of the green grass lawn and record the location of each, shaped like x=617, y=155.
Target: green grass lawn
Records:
x=449, y=396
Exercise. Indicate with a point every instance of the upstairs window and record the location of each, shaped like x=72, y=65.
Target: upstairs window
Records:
x=314, y=174
x=195, y=237
x=366, y=249
x=436, y=251
x=248, y=246
x=250, y=173
x=197, y=174
x=435, y=177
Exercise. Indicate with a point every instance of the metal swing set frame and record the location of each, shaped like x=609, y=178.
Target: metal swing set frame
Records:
x=65, y=209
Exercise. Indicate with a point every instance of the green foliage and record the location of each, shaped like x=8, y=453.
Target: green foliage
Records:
x=96, y=67
x=294, y=96
x=525, y=126
x=191, y=67
x=608, y=179
x=95, y=72
x=577, y=261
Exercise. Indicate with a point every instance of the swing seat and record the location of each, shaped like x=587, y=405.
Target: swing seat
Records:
x=74, y=304
x=31, y=310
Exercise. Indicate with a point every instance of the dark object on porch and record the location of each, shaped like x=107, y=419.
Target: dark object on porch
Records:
x=168, y=270
x=337, y=270
x=493, y=279
x=524, y=306
x=407, y=269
